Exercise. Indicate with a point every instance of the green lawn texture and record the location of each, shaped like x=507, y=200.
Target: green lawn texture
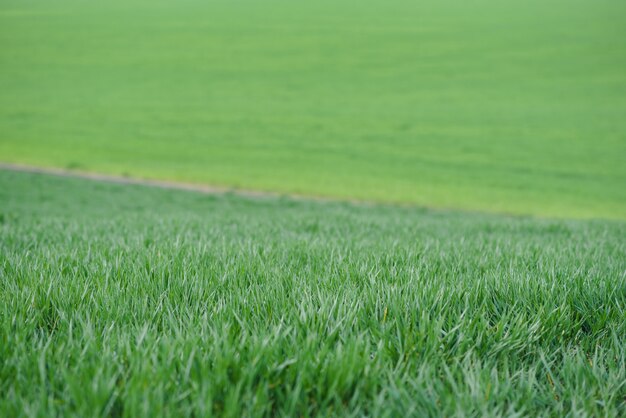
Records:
x=516, y=107
x=120, y=300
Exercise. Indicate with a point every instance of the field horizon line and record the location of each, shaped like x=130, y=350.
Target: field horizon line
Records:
x=212, y=189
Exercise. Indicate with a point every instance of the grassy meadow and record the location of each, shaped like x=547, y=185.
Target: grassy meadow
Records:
x=482, y=274
x=122, y=300
x=515, y=107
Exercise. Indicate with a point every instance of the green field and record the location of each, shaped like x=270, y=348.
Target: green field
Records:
x=130, y=301
x=516, y=107
x=483, y=273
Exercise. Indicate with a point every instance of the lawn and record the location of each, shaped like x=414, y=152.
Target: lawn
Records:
x=121, y=300
x=515, y=107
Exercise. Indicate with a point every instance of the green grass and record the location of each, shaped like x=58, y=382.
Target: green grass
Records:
x=512, y=107
x=130, y=301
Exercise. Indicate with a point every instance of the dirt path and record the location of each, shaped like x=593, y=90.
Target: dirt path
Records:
x=164, y=184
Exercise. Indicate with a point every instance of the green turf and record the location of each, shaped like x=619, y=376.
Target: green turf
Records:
x=129, y=301
x=484, y=105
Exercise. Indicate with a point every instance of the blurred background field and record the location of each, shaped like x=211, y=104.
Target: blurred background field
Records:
x=512, y=107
